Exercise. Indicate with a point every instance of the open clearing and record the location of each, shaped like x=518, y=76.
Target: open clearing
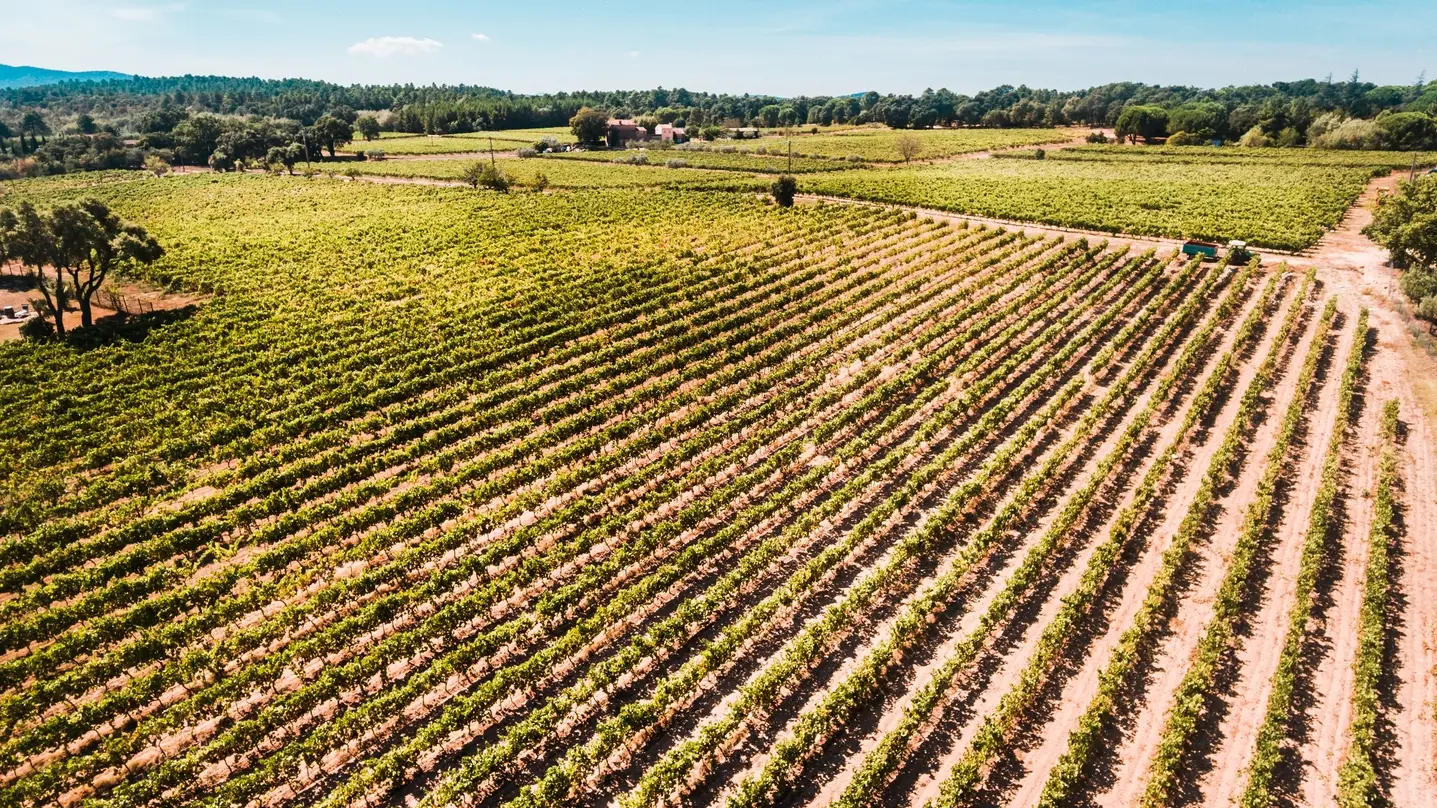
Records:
x=678, y=497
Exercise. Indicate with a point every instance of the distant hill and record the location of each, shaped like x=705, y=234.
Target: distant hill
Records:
x=24, y=76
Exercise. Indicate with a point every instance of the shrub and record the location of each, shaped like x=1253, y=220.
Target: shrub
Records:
x=1354, y=133
x=1039, y=154
x=541, y=181
x=1097, y=137
x=1184, y=139
x=494, y=179
x=376, y=154
x=528, y=152
x=1254, y=138
x=854, y=158
x=783, y=190
x=675, y=162
x=485, y=175
x=37, y=328
x=156, y=165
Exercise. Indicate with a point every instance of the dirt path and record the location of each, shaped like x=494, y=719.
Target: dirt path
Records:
x=1401, y=367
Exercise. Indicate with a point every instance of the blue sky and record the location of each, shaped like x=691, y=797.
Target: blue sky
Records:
x=784, y=48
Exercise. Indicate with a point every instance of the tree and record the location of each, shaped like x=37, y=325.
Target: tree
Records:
x=368, y=126
x=196, y=138
x=26, y=237
x=768, y=115
x=1142, y=121
x=90, y=242
x=909, y=146
x=589, y=126
x=1408, y=131
x=331, y=133
x=1406, y=224
x=1204, y=119
x=32, y=123
x=783, y=190
x=85, y=124
x=5, y=134
x=156, y=165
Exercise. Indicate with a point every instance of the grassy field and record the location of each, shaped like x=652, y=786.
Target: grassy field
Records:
x=538, y=500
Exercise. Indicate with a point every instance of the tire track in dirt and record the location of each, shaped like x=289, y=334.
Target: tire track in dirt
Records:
x=1324, y=731
x=1134, y=753
x=1078, y=474
x=1082, y=686
x=1001, y=682
x=1356, y=268
x=1261, y=649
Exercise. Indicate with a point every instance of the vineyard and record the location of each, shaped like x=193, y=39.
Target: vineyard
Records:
x=673, y=498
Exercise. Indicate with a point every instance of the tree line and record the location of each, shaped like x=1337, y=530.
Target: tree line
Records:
x=226, y=122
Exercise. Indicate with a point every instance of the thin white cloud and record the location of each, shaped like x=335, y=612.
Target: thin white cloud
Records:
x=632, y=54
x=480, y=37
x=145, y=13
x=384, y=47
x=262, y=15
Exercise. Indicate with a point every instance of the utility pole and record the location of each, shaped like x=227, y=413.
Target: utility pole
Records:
x=491, y=152
x=790, y=157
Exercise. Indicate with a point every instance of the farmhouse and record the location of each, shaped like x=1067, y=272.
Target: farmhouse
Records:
x=669, y=133
x=623, y=130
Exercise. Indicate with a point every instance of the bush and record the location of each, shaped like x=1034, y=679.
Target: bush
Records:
x=541, y=181
x=528, y=152
x=494, y=179
x=1184, y=139
x=485, y=175
x=1097, y=137
x=1427, y=311
x=783, y=190
x=854, y=158
x=675, y=162
x=1039, y=154
x=639, y=158
x=1254, y=138
x=1354, y=133
x=376, y=154
x=711, y=133
x=37, y=328
x=156, y=165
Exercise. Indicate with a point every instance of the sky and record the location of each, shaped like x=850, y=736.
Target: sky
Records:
x=734, y=46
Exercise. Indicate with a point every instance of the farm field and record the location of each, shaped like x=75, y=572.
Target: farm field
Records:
x=724, y=161
x=560, y=173
x=881, y=145
x=401, y=144
x=593, y=497
x=1286, y=202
